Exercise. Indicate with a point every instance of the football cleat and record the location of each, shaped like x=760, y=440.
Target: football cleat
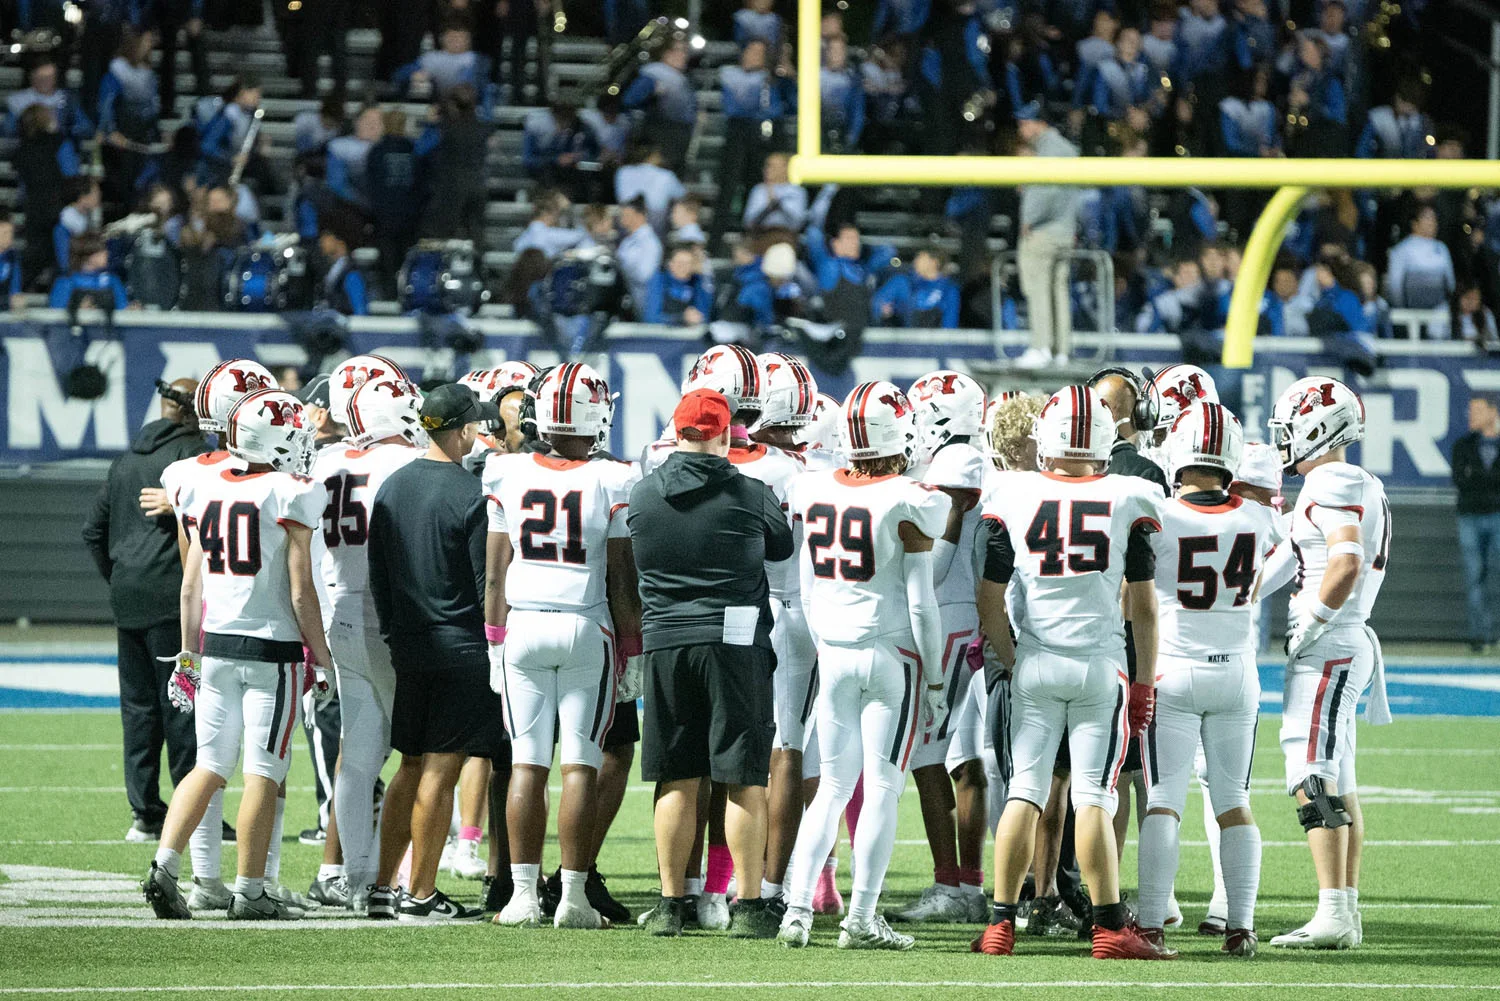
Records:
x=1213, y=925
x=1051, y=917
x=754, y=919
x=436, y=909
x=313, y=836
x=1240, y=942
x=163, y=895
x=523, y=911
x=209, y=895
x=291, y=898
x=1157, y=937
x=826, y=897
x=713, y=911
x=143, y=833
x=873, y=934
x=262, y=908
x=380, y=903
x=466, y=863
x=998, y=940
x=602, y=901
x=497, y=892
x=665, y=919
x=796, y=926
x=1174, y=913
x=1127, y=943
x=1319, y=933
x=333, y=892
x=571, y=914
x=978, y=906
x=937, y=903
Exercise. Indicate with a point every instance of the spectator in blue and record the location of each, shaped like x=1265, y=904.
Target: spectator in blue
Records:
x=224, y=134
x=1333, y=28
x=348, y=159
x=1399, y=130
x=1377, y=310
x=756, y=21
x=1030, y=75
x=900, y=17
x=45, y=88
x=455, y=62
x=842, y=97
x=1116, y=221
x=547, y=232
x=82, y=201
x=756, y=99
x=645, y=177
x=343, y=289
x=665, y=96
x=1120, y=81
x=1316, y=98
x=1476, y=476
x=921, y=297
x=1338, y=316
x=883, y=79
x=10, y=264
x=953, y=66
x=88, y=281
x=1253, y=34
x=1160, y=44
x=639, y=253
x=678, y=294
x=1419, y=274
x=396, y=185
x=1202, y=43
x=1187, y=306
x=1250, y=124
x=313, y=128
x=555, y=145
x=129, y=113
x=1283, y=305
x=1098, y=46
x=846, y=284
x=611, y=128
x=1472, y=320
x=776, y=203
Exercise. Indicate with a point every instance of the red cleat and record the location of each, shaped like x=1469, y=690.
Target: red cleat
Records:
x=997, y=940
x=1128, y=943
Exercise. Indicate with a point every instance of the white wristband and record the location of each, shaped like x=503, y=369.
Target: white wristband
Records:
x=1323, y=612
x=1351, y=547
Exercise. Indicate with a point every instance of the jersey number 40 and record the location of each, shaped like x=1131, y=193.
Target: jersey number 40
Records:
x=231, y=540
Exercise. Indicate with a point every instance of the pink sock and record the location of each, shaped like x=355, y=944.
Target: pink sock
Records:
x=720, y=869
x=468, y=834
x=851, y=811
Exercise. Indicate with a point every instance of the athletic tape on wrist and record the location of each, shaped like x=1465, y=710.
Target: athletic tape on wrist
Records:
x=1323, y=612
x=494, y=634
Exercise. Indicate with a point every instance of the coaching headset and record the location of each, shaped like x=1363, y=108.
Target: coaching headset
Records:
x=1147, y=396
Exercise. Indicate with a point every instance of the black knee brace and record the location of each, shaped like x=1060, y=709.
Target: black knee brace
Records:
x=1322, y=809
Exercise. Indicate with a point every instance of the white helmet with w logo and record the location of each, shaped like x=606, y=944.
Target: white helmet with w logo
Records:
x=948, y=405
x=270, y=426
x=1075, y=424
x=1205, y=434
x=878, y=421
x=573, y=399
x=223, y=386
x=380, y=410
x=487, y=383
x=353, y=373
x=1178, y=386
x=790, y=392
x=1314, y=416
x=731, y=370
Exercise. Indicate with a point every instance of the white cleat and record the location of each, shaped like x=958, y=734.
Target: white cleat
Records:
x=796, y=926
x=1174, y=913
x=713, y=911
x=466, y=863
x=523, y=911
x=291, y=899
x=1319, y=933
x=577, y=915
x=445, y=861
x=874, y=934
x=1034, y=358
x=209, y=895
x=937, y=903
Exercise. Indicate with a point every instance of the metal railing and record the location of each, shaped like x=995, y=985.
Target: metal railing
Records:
x=1006, y=265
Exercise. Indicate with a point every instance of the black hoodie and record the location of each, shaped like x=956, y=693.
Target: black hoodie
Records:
x=702, y=533
x=138, y=555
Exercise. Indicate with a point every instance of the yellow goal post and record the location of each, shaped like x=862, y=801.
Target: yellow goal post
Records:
x=1293, y=179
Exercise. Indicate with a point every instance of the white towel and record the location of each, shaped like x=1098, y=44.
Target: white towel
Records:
x=1378, y=708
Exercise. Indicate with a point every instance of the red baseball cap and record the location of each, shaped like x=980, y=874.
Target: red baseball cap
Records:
x=701, y=415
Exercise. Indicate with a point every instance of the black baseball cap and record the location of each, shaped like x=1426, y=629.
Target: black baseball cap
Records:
x=315, y=393
x=452, y=406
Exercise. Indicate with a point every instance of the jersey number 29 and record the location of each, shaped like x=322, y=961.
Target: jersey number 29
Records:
x=852, y=529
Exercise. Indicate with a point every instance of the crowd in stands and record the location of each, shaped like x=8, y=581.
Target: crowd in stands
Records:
x=618, y=232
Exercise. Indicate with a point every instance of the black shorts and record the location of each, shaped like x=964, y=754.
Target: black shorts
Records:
x=451, y=711
x=626, y=729
x=709, y=712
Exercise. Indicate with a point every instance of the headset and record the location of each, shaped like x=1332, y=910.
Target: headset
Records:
x=1147, y=396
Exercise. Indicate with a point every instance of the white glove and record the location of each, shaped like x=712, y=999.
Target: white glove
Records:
x=632, y=682
x=934, y=707
x=182, y=687
x=497, y=668
x=1303, y=632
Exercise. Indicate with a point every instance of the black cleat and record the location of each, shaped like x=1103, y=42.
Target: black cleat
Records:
x=436, y=909
x=228, y=836
x=163, y=895
x=753, y=919
x=600, y=899
x=549, y=893
x=1051, y=917
x=497, y=892
x=665, y=919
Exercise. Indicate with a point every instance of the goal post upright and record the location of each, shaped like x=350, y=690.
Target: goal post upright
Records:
x=1293, y=177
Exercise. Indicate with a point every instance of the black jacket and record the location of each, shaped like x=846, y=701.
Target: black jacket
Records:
x=1125, y=460
x=702, y=533
x=1478, y=485
x=136, y=554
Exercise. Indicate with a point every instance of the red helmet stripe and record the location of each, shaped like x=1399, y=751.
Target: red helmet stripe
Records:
x=1086, y=421
x=805, y=398
x=562, y=410
x=749, y=369
x=858, y=436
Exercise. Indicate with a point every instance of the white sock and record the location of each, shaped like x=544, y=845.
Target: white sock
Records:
x=206, y=844
x=875, y=838
x=1351, y=897
x=1159, y=850
x=1218, y=904
x=1331, y=904
x=832, y=863
x=524, y=877
x=692, y=887
x=249, y=888
x=273, y=854
x=769, y=889
x=327, y=872
x=573, y=883
x=169, y=861
x=1240, y=855
x=970, y=890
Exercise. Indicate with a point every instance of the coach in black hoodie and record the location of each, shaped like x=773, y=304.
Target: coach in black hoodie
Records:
x=138, y=557
x=702, y=533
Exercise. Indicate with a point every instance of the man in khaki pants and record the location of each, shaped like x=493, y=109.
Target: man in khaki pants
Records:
x=1049, y=216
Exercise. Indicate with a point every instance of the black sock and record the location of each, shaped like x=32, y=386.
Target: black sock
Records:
x=1000, y=913
x=1111, y=917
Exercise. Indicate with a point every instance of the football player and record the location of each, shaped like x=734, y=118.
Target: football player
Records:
x=1178, y=387
x=950, y=410
x=1208, y=687
x=248, y=585
x=495, y=385
x=560, y=609
x=384, y=430
x=865, y=561
x=1070, y=536
x=1341, y=540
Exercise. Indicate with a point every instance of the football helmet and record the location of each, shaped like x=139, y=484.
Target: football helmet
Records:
x=271, y=426
x=573, y=399
x=731, y=370
x=379, y=410
x=1314, y=416
x=488, y=383
x=1177, y=387
x=223, y=386
x=353, y=373
x=948, y=405
x=823, y=432
x=1075, y=424
x=790, y=392
x=1260, y=466
x=1205, y=434
x=878, y=421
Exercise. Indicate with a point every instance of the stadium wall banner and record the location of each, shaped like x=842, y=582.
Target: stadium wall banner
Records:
x=1416, y=405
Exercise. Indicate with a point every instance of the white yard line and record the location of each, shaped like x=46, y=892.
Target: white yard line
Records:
x=60, y=747
x=721, y=985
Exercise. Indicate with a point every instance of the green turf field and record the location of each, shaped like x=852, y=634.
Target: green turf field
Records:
x=1429, y=895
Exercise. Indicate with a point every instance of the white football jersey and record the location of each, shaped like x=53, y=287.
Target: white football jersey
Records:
x=559, y=514
x=352, y=476
x=959, y=466
x=1208, y=559
x=776, y=469
x=656, y=453
x=239, y=518
x=851, y=550
x=182, y=477
x=1070, y=536
x=1333, y=495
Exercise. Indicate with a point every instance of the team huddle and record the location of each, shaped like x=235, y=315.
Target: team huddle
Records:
x=1001, y=597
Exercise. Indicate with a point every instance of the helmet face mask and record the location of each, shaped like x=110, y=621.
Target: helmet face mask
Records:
x=489, y=383
x=270, y=427
x=385, y=409
x=1313, y=417
x=948, y=405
